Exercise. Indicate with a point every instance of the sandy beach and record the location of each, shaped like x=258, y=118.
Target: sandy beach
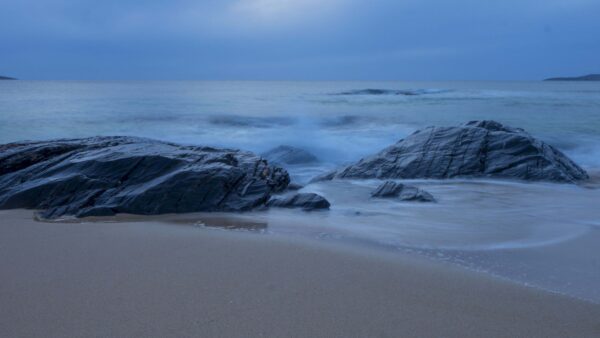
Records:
x=156, y=279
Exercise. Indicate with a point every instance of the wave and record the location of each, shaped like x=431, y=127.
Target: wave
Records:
x=583, y=149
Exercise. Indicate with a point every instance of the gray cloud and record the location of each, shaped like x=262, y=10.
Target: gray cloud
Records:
x=298, y=39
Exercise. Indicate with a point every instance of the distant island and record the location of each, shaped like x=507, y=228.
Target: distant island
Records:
x=6, y=78
x=590, y=77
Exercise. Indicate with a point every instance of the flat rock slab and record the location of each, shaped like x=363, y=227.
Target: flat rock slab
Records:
x=477, y=149
x=403, y=192
x=106, y=175
x=305, y=201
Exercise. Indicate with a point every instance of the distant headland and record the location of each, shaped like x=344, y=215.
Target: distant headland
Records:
x=590, y=77
x=6, y=78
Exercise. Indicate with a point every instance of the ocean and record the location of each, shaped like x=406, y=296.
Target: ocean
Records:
x=541, y=234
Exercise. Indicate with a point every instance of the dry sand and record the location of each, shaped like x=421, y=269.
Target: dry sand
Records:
x=153, y=279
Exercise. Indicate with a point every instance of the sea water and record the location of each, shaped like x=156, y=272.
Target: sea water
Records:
x=542, y=234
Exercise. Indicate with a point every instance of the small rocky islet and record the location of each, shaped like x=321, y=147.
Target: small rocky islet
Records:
x=103, y=176
x=589, y=77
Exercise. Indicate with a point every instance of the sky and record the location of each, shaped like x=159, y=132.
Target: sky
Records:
x=299, y=39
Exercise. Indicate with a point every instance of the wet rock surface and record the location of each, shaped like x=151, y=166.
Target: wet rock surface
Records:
x=477, y=149
x=106, y=175
x=305, y=201
x=289, y=155
x=403, y=192
x=294, y=186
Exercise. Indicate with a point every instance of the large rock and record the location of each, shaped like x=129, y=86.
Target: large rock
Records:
x=289, y=155
x=391, y=189
x=474, y=149
x=108, y=175
x=305, y=201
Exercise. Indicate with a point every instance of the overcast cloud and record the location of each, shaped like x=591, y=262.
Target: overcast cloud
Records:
x=299, y=39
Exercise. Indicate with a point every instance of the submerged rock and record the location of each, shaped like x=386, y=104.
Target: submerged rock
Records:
x=369, y=91
x=405, y=92
x=306, y=201
x=391, y=189
x=289, y=155
x=107, y=175
x=475, y=149
x=249, y=121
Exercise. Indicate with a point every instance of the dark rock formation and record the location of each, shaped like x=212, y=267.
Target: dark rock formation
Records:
x=391, y=189
x=474, y=149
x=327, y=176
x=342, y=121
x=6, y=78
x=289, y=155
x=370, y=91
x=306, y=201
x=590, y=77
x=249, y=121
x=107, y=175
x=405, y=92
x=294, y=186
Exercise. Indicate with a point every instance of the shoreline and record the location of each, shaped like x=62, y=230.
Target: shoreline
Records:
x=150, y=278
x=527, y=265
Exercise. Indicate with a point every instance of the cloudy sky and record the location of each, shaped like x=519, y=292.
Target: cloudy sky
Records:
x=299, y=39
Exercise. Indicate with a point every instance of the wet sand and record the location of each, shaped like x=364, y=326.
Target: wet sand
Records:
x=155, y=279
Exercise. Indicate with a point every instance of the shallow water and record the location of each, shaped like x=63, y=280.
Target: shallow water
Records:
x=542, y=234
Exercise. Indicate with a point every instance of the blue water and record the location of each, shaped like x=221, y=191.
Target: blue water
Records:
x=542, y=234
x=256, y=115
